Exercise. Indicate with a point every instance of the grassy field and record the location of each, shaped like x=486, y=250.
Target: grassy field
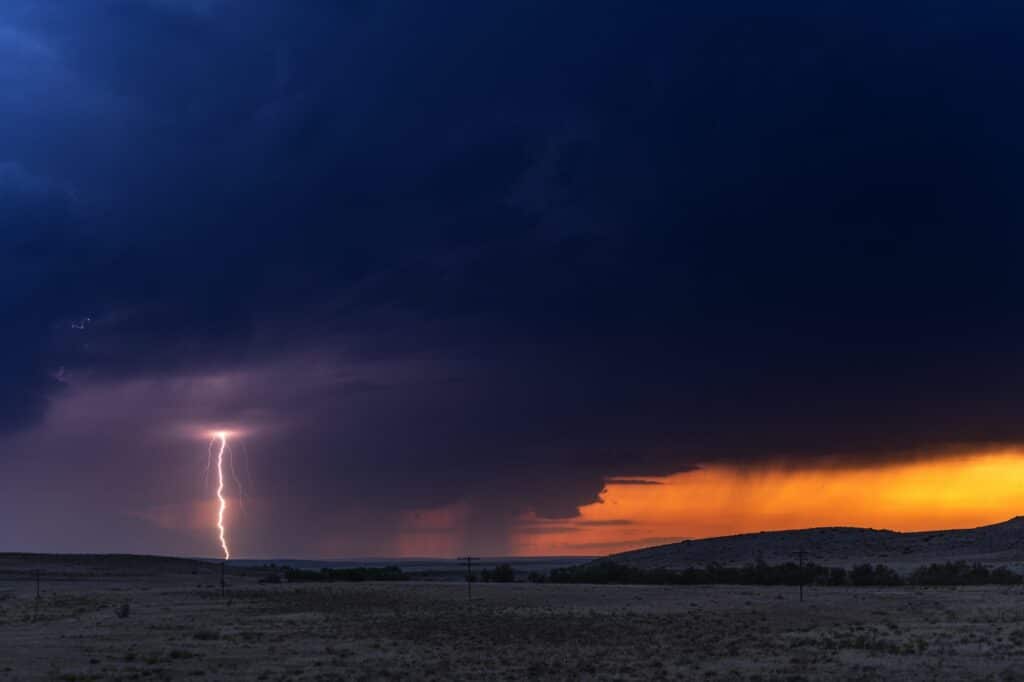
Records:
x=178, y=626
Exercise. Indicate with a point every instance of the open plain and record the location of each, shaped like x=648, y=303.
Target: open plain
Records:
x=120, y=621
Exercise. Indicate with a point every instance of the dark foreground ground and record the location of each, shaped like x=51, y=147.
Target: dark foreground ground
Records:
x=179, y=627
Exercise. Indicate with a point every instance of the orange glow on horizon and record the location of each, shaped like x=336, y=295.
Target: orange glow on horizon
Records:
x=951, y=492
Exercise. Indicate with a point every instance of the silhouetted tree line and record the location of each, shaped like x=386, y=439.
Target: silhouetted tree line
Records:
x=790, y=573
x=962, y=573
x=758, y=573
x=326, y=575
x=502, y=573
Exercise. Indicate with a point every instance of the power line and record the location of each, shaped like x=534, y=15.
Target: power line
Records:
x=469, y=573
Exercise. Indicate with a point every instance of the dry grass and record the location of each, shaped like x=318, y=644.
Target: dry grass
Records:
x=372, y=631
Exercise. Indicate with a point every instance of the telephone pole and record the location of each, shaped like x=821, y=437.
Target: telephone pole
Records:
x=35, y=612
x=469, y=574
x=801, y=554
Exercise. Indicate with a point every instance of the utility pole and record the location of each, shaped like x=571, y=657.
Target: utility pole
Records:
x=35, y=608
x=469, y=573
x=801, y=554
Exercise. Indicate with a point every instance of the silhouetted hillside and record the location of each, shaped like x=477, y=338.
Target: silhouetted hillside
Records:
x=1001, y=543
x=107, y=565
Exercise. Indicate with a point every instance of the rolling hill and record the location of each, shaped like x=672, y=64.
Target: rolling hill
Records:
x=997, y=544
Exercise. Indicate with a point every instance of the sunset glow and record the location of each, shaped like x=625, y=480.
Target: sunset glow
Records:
x=955, y=492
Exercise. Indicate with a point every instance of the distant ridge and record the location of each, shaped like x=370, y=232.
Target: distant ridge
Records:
x=1000, y=543
x=107, y=565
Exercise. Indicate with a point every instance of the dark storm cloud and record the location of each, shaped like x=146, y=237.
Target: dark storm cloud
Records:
x=40, y=246
x=530, y=246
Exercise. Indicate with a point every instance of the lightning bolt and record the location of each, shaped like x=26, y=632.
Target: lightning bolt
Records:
x=223, y=438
